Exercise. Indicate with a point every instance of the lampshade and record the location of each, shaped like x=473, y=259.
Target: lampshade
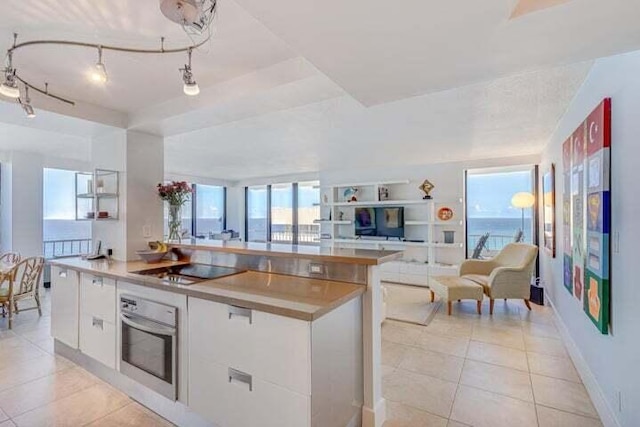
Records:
x=9, y=89
x=191, y=88
x=523, y=200
x=99, y=74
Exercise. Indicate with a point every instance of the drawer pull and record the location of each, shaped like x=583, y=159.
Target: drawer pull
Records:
x=240, y=377
x=241, y=312
x=97, y=281
x=97, y=323
x=62, y=273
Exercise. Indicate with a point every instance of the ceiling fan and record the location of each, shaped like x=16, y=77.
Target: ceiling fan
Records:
x=195, y=16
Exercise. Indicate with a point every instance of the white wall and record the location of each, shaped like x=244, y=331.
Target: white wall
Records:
x=144, y=170
x=611, y=360
x=22, y=198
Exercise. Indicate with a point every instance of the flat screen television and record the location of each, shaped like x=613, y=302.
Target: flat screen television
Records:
x=380, y=221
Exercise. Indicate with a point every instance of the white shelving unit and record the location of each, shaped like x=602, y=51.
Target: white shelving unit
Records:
x=425, y=253
x=97, y=193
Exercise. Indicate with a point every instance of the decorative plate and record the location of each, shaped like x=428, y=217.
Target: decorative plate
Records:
x=445, y=214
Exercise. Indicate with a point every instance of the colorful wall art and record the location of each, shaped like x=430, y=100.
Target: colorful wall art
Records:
x=586, y=214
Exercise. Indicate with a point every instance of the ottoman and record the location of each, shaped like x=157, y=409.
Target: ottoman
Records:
x=451, y=288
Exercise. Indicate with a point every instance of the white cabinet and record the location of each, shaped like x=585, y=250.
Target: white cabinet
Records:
x=64, y=305
x=98, y=339
x=236, y=399
x=275, y=348
x=98, y=296
x=97, y=318
x=230, y=347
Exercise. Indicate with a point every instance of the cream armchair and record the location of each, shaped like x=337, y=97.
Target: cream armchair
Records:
x=507, y=275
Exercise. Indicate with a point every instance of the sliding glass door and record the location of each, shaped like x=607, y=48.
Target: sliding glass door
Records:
x=500, y=208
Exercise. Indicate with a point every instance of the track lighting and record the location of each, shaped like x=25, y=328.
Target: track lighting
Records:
x=26, y=104
x=190, y=86
x=9, y=86
x=99, y=72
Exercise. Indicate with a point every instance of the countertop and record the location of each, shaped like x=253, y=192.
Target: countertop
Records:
x=297, y=297
x=349, y=256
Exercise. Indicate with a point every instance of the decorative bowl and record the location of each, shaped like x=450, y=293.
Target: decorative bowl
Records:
x=151, y=257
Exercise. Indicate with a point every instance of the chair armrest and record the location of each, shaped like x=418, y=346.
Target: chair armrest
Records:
x=510, y=282
x=476, y=266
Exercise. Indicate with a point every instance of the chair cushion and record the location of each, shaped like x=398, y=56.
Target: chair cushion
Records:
x=480, y=279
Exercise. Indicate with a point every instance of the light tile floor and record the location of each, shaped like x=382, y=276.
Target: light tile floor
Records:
x=38, y=388
x=509, y=369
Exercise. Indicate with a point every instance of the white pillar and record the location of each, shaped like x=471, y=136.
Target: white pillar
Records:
x=373, y=409
x=22, y=204
x=139, y=159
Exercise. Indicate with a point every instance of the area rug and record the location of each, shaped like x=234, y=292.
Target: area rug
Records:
x=410, y=304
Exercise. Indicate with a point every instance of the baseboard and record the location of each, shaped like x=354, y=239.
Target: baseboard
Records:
x=606, y=413
x=375, y=417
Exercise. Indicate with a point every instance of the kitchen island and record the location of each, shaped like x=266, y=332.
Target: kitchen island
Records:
x=296, y=328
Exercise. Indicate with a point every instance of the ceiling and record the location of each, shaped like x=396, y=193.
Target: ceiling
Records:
x=292, y=86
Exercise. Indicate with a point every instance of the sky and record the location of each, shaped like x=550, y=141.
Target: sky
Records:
x=489, y=195
x=59, y=194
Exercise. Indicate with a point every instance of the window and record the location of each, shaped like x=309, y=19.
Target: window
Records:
x=308, y=213
x=204, y=213
x=62, y=234
x=283, y=213
x=489, y=195
x=257, y=218
x=210, y=206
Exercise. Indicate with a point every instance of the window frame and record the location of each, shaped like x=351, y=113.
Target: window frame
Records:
x=295, y=205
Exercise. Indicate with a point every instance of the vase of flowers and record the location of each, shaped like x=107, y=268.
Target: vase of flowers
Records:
x=176, y=193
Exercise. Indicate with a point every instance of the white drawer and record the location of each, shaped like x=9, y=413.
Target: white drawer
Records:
x=98, y=297
x=98, y=339
x=234, y=403
x=64, y=305
x=273, y=348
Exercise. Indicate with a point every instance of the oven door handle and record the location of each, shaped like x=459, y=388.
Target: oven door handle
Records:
x=147, y=325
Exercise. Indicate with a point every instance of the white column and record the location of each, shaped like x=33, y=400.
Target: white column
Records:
x=22, y=204
x=373, y=410
x=145, y=169
x=139, y=159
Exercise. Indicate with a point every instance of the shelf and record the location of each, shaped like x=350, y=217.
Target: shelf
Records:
x=381, y=242
x=327, y=221
x=448, y=245
x=106, y=195
x=443, y=223
x=384, y=203
x=366, y=184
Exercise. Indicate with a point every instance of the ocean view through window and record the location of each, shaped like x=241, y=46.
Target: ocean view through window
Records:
x=489, y=208
x=283, y=213
x=62, y=234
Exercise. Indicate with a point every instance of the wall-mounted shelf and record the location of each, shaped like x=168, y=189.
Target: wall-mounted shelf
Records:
x=97, y=192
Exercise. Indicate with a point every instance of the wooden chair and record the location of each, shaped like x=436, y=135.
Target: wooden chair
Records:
x=7, y=259
x=24, y=283
x=10, y=258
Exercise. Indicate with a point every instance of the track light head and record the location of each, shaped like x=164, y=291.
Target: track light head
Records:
x=9, y=86
x=190, y=86
x=26, y=104
x=29, y=111
x=99, y=73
